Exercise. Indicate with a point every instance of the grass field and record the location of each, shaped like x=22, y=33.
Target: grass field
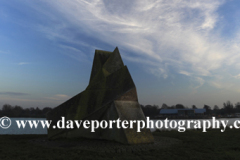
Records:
x=194, y=145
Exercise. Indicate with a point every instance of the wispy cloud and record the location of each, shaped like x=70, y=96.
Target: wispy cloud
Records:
x=237, y=76
x=13, y=93
x=185, y=73
x=159, y=72
x=199, y=81
x=74, y=52
x=182, y=35
x=151, y=27
x=59, y=97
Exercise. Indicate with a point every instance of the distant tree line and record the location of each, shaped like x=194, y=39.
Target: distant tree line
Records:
x=148, y=110
x=227, y=109
x=18, y=111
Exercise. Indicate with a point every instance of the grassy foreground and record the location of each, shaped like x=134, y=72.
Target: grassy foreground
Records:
x=195, y=145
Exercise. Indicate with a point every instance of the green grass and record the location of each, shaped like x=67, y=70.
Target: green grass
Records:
x=195, y=145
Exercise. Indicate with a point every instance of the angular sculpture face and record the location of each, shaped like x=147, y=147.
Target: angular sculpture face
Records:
x=111, y=94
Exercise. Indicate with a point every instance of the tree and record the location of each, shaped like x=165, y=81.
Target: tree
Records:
x=216, y=107
x=17, y=111
x=47, y=109
x=194, y=107
x=7, y=110
x=180, y=106
x=228, y=107
x=237, y=106
x=7, y=107
x=150, y=110
x=26, y=112
x=216, y=110
x=164, y=106
x=208, y=109
x=172, y=107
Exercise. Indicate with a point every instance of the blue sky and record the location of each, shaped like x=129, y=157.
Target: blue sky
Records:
x=177, y=51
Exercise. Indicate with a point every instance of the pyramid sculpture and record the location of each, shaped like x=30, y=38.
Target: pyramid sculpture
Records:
x=111, y=94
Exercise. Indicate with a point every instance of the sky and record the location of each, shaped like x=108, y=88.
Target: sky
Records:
x=177, y=51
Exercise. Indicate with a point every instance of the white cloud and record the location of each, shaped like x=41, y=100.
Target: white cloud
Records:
x=159, y=72
x=185, y=73
x=182, y=34
x=200, y=82
x=237, y=76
